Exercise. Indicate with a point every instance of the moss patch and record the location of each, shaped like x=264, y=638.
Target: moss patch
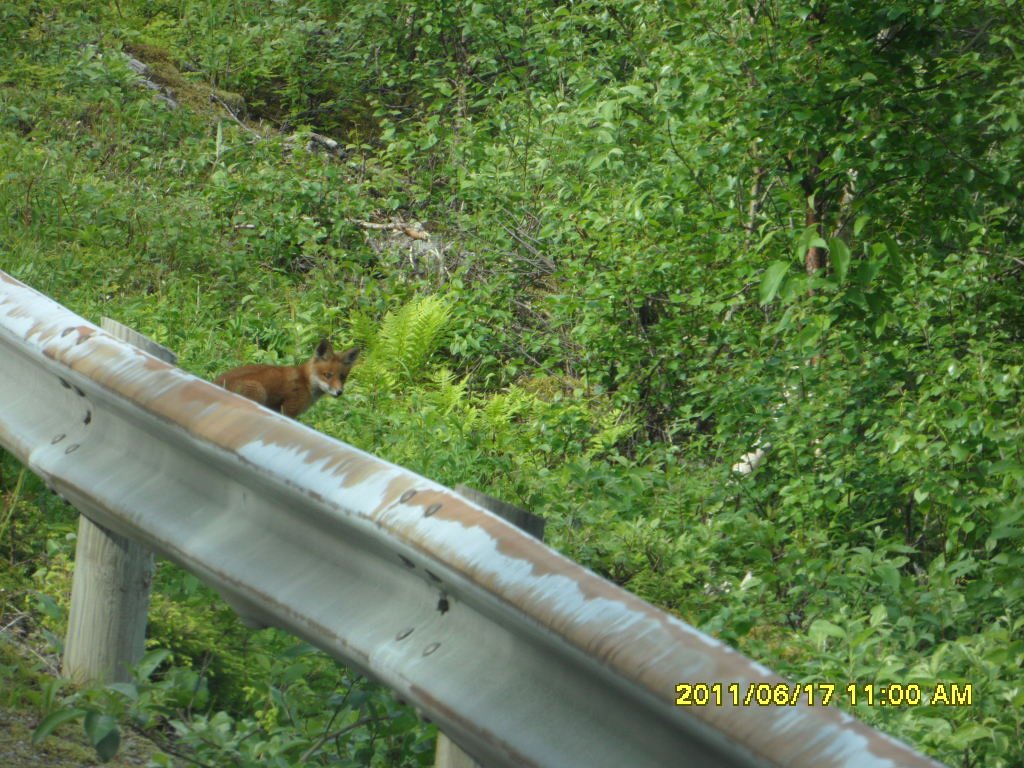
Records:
x=195, y=94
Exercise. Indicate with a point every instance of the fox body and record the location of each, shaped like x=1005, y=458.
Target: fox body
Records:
x=291, y=389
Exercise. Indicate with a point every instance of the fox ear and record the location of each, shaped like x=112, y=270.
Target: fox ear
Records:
x=324, y=348
x=348, y=357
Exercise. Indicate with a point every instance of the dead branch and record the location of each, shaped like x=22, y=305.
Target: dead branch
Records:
x=408, y=230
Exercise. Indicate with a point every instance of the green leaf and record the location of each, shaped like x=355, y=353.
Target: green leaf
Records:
x=868, y=271
x=888, y=575
x=821, y=629
x=839, y=255
x=102, y=732
x=794, y=286
x=150, y=661
x=53, y=721
x=1007, y=467
x=964, y=735
x=772, y=279
x=880, y=324
x=809, y=334
x=107, y=747
x=128, y=690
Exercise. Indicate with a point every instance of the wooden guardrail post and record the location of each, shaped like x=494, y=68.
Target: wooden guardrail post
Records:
x=448, y=754
x=110, y=590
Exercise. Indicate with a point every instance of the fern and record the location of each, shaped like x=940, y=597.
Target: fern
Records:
x=397, y=352
x=408, y=337
x=451, y=394
x=613, y=427
x=363, y=330
x=502, y=410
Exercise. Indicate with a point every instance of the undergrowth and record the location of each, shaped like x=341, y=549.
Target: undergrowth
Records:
x=612, y=308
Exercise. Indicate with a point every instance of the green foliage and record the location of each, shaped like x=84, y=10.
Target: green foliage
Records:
x=289, y=726
x=629, y=197
x=398, y=391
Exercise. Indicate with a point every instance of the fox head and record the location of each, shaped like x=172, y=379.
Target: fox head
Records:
x=329, y=369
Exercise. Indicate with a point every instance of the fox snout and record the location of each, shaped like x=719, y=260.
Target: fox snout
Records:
x=326, y=384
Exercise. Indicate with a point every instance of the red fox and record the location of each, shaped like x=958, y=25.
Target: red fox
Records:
x=291, y=389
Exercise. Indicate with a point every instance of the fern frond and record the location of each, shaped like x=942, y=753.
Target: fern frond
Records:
x=614, y=426
x=407, y=337
x=450, y=395
x=363, y=331
x=503, y=408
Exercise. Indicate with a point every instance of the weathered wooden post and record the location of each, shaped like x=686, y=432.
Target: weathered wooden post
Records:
x=448, y=753
x=110, y=590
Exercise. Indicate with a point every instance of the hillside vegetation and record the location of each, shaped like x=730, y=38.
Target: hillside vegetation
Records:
x=595, y=252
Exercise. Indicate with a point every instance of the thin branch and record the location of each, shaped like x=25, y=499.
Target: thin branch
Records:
x=329, y=736
x=163, y=744
x=235, y=117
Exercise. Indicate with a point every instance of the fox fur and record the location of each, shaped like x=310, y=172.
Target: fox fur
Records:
x=291, y=389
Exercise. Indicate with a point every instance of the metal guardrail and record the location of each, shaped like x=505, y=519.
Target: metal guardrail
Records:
x=520, y=655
